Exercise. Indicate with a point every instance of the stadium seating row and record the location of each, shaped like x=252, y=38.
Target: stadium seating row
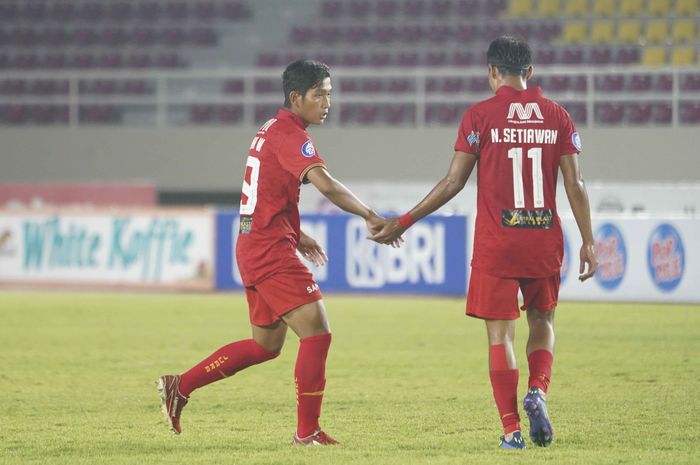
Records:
x=91, y=11
x=423, y=34
x=609, y=83
x=142, y=36
x=637, y=82
x=608, y=113
x=602, y=8
x=630, y=31
x=364, y=9
x=90, y=60
x=571, y=55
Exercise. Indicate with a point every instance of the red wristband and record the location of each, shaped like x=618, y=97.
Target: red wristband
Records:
x=406, y=220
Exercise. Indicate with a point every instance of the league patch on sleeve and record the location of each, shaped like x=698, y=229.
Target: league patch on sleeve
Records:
x=473, y=139
x=308, y=150
x=576, y=140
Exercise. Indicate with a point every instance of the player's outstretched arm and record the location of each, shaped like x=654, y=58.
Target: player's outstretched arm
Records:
x=343, y=198
x=460, y=168
x=578, y=199
x=311, y=250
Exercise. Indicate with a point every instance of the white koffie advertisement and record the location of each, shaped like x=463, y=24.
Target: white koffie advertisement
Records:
x=151, y=248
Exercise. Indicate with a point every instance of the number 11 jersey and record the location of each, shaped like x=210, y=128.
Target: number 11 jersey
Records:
x=280, y=156
x=518, y=138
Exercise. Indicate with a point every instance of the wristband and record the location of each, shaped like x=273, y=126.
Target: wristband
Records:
x=406, y=220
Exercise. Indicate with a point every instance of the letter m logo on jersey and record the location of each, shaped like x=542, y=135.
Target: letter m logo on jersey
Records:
x=525, y=113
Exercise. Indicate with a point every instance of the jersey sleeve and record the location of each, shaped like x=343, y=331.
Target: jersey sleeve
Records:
x=468, y=137
x=570, y=140
x=297, y=155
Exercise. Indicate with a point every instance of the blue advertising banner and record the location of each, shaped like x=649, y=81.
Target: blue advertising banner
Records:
x=433, y=260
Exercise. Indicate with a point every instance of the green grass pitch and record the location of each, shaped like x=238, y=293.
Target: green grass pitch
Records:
x=407, y=384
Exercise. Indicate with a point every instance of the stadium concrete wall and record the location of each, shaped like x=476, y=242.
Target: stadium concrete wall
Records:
x=213, y=158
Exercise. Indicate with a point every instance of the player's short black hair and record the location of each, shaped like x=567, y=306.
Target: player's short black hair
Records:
x=301, y=76
x=512, y=56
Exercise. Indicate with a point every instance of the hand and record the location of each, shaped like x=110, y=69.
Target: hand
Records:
x=390, y=233
x=311, y=251
x=375, y=222
x=587, y=257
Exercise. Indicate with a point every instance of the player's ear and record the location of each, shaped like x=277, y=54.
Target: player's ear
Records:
x=294, y=97
x=493, y=72
x=530, y=72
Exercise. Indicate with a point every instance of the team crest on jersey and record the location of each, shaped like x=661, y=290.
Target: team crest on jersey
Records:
x=308, y=150
x=529, y=113
x=576, y=140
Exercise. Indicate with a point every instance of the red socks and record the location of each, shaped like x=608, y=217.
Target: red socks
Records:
x=504, y=381
x=540, y=362
x=223, y=363
x=310, y=380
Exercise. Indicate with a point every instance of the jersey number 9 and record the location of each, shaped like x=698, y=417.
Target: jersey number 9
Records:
x=249, y=191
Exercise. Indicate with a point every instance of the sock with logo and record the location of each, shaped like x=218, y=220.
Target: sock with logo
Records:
x=310, y=380
x=223, y=363
x=540, y=362
x=504, y=382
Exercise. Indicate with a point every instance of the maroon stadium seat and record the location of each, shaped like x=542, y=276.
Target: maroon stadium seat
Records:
x=610, y=113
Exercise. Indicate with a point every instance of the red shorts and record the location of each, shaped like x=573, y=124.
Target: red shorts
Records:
x=496, y=298
x=281, y=293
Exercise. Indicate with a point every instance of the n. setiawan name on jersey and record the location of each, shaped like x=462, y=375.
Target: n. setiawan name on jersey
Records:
x=523, y=136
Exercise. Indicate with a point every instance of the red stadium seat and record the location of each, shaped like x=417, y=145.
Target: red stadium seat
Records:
x=663, y=83
x=662, y=113
x=610, y=113
x=639, y=113
x=233, y=86
x=610, y=83
x=690, y=112
x=386, y=8
x=690, y=82
x=639, y=83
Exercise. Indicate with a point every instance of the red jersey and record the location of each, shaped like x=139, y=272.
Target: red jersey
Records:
x=280, y=156
x=518, y=137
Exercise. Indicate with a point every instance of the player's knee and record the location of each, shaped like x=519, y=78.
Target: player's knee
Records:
x=540, y=316
x=267, y=350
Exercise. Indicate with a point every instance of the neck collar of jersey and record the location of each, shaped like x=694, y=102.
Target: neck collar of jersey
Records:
x=287, y=113
x=508, y=91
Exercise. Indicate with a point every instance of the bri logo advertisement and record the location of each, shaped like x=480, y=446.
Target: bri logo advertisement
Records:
x=666, y=257
x=422, y=260
x=612, y=256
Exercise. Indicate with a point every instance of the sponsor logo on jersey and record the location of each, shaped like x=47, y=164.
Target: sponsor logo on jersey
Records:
x=313, y=288
x=308, y=150
x=666, y=257
x=530, y=219
x=576, y=140
x=612, y=256
x=525, y=113
x=246, y=225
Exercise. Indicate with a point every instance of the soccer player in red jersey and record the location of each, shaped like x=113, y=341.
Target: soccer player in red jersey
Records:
x=280, y=290
x=518, y=140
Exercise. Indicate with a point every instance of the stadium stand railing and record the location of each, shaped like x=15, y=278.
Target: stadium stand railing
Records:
x=415, y=97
